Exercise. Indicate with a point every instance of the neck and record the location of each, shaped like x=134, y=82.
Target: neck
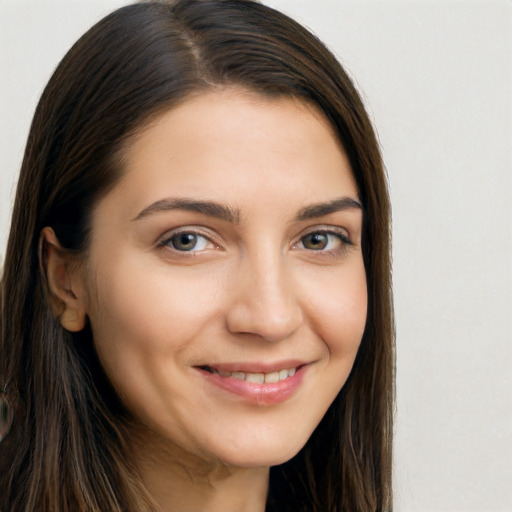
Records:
x=179, y=481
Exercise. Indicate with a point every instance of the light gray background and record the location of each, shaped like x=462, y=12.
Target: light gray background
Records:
x=437, y=78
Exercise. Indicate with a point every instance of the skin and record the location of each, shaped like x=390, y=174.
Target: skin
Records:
x=260, y=288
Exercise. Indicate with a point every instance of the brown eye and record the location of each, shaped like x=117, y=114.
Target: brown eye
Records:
x=324, y=241
x=315, y=241
x=187, y=242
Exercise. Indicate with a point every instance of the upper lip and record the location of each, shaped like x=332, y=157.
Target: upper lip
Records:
x=255, y=367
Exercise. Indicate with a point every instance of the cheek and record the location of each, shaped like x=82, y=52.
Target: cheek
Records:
x=163, y=301
x=339, y=308
x=143, y=315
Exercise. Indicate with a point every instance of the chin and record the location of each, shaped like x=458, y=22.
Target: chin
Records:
x=260, y=456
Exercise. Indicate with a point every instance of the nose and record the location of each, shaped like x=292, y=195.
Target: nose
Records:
x=264, y=300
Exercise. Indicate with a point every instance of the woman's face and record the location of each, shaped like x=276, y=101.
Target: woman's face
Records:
x=226, y=286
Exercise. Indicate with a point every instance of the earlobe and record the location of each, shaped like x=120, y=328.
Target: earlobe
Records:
x=64, y=281
x=72, y=320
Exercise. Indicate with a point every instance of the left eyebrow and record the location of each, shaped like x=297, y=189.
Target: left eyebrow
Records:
x=320, y=209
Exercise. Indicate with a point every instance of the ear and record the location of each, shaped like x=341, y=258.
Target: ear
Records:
x=64, y=280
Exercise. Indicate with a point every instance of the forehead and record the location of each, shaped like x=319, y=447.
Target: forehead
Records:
x=234, y=145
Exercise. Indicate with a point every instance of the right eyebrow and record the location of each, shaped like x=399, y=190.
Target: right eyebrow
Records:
x=209, y=208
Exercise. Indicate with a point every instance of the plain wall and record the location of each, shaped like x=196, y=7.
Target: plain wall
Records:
x=437, y=78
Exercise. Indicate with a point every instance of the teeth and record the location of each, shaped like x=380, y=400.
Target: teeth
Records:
x=273, y=377
x=258, y=378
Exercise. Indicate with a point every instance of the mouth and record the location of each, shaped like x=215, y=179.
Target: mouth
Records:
x=256, y=384
x=255, y=378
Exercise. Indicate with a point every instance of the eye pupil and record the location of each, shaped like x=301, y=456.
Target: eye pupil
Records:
x=184, y=241
x=315, y=241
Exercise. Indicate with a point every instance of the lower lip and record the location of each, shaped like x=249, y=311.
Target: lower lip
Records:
x=260, y=394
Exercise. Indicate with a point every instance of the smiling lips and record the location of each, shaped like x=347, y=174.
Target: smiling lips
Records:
x=262, y=388
x=256, y=378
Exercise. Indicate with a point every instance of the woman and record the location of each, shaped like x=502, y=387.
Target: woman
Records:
x=196, y=299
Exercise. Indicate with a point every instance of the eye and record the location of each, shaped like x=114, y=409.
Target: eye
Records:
x=187, y=241
x=323, y=241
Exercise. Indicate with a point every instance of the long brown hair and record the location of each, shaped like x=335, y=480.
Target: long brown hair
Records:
x=65, y=451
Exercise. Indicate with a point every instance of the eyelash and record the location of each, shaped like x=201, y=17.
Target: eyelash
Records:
x=166, y=242
x=340, y=234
